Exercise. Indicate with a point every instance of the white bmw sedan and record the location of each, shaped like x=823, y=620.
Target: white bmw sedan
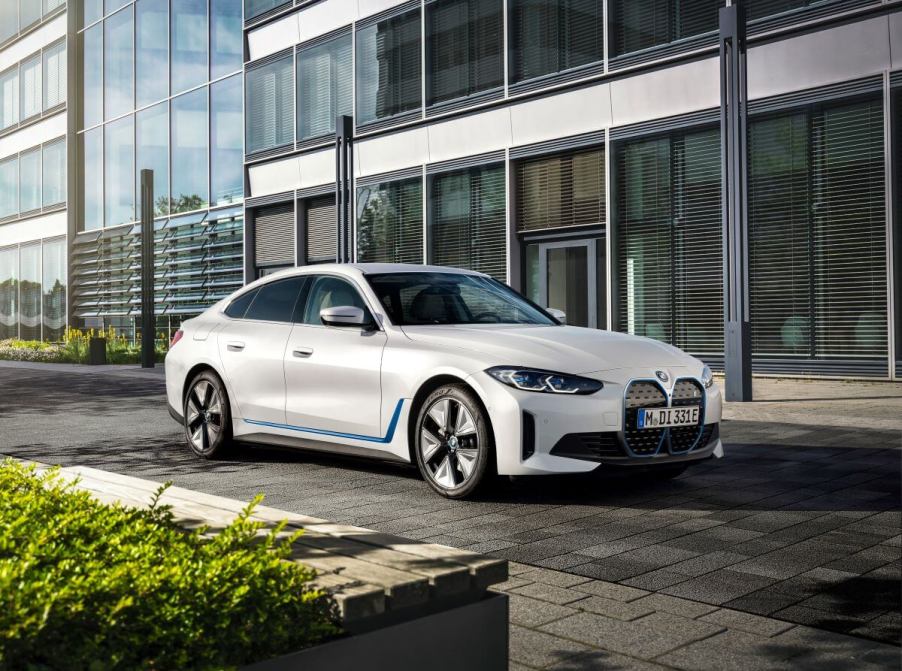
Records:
x=447, y=368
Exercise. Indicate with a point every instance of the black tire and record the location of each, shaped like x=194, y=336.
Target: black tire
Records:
x=444, y=466
x=207, y=416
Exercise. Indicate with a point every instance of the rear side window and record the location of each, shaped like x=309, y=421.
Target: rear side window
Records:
x=239, y=306
x=275, y=301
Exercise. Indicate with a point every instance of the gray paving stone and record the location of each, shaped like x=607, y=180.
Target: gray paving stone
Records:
x=730, y=651
x=535, y=648
x=556, y=578
x=532, y=613
x=753, y=624
x=654, y=581
x=620, y=610
x=718, y=587
x=645, y=638
x=549, y=593
x=682, y=607
x=611, y=590
x=706, y=563
x=604, y=660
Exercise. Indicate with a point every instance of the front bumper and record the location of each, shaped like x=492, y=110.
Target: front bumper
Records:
x=538, y=433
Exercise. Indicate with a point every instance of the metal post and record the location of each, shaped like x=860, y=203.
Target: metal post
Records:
x=734, y=161
x=344, y=175
x=148, y=316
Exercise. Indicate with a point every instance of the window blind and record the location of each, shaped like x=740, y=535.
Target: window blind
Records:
x=30, y=87
x=669, y=240
x=642, y=24
x=388, y=67
x=54, y=75
x=270, y=105
x=322, y=229
x=53, y=181
x=548, y=37
x=9, y=97
x=274, y=235
x=560, y=191
x=817, y=232
x=325, y=85
x=467, y=226
x=390, y=222
x=465, y=48
x=30, y=180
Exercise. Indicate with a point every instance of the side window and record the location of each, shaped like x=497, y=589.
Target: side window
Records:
x=275, y=301
x=239, y=306
x=330, y=292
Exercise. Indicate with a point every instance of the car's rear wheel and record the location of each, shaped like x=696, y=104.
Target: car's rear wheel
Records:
x=207, y=416
x=453, y=441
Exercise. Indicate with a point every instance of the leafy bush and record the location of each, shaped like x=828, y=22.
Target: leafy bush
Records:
x=85, y=585
x=74, y=348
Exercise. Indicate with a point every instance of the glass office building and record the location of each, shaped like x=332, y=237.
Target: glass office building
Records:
x=573, y=149
x=163, y=91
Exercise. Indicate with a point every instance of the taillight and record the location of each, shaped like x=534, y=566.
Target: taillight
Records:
x=176, y=337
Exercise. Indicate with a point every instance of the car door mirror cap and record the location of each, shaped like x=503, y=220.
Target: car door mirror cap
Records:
x=560, y=315
x=344, y=315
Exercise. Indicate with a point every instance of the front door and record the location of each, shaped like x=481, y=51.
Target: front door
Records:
x=569, y=276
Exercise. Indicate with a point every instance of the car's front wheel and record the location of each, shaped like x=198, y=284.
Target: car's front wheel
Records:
x=207, y=416
x=453, y=441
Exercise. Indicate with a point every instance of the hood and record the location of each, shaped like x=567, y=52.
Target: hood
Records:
x=565, y=349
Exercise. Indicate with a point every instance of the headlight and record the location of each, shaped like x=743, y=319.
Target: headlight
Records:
x=707, y=377
x=547, y=381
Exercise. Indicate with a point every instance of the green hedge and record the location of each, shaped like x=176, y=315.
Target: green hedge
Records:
x=85, y=585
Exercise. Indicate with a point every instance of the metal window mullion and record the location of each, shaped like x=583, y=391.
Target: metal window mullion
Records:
x=889, y=142
x=608, y=231
x=425, y=194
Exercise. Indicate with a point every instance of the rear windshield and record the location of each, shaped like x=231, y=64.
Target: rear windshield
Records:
x=450, y=298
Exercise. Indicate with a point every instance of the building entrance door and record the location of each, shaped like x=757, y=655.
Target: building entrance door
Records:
x=568, y=276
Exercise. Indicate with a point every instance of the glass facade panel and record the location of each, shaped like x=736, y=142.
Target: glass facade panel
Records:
x=9, y=186
x=269, y=122
x=54, y=75
x=9, y=97
x=189, y=44
x=465, y=48
x=549, y=37
x=92, y=178
x=226, y=159
x=388, y=67
x=119, y=171
x=54, y=289
x=110, y=6
x=119, y=63
x=325, y=86
x=93, y=10
x=29, y=12
x=669, y=240
x=30, y=87
x=467, y=227
x=642, y=24
x=30, y=180
x=50, y=5
x=54, y=173
x=92, y=72
x=390, y=222
x=152, y=147
x=190, y=164
x=9, y=20
x=30, y=292
x=152, y=50
x=254, y=8
x=225, y=37
x=9, y=292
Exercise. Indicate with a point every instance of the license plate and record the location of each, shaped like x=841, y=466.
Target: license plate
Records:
x=657, y=418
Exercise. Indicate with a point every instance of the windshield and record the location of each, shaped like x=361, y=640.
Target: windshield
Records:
x=450, y=298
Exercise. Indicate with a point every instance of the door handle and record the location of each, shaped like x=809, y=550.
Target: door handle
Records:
x=235, y=346
x=302, y=352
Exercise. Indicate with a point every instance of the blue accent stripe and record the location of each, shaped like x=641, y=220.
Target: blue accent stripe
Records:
x=392, y=425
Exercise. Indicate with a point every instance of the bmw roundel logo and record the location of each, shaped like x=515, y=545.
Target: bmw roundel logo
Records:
x=662, y=376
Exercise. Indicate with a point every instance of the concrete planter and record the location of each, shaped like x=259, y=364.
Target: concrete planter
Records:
x=472, y=637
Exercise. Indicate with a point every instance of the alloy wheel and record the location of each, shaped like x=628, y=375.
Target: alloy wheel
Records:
x=204, y=415
x=449, y=443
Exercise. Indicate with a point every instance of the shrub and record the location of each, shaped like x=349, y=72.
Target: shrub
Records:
x=85, y=585
x=74, y=348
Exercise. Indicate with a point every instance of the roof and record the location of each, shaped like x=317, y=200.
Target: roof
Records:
x=374, y=268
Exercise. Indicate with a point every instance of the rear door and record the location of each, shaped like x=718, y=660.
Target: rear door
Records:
x=252, y=349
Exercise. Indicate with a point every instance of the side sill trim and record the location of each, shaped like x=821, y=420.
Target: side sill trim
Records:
x=393, y=424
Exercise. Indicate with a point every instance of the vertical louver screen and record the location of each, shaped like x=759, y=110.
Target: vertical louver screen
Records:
x=274, y=235
x=642, y=24
x=465, y=48
x=817, y=232
x=270, y=105
x=325, y=81
x=322, y=229
x=467, y=226
x=897, y=222
x=561, y=191
x=669, y=240
x=390, y=222
x=549, y=37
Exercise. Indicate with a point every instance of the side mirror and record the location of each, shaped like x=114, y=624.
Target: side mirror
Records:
x=560, y=315
x=343, y=315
